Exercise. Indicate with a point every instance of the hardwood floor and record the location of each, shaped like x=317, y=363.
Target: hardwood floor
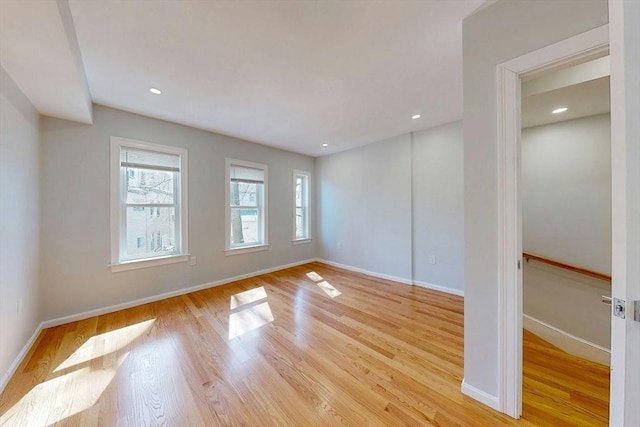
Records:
x=308, y=346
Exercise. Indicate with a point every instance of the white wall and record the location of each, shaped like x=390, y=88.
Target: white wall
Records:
x=566, y=191
x=568, y=301
x=19, y=222
x=364, y=207
x=365, y=201
x=75, y=204
x=438, y=205
x=502, y=31
x=566, y=210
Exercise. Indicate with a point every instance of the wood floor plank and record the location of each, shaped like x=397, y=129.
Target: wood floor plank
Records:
x=312, y=345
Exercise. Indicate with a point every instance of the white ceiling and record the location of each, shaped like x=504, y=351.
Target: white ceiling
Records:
x=582, y=100
x=290, y=74
x=582, y=88
x=39, y=50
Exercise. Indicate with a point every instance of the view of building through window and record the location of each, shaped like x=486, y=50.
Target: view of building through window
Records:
x=150, y=231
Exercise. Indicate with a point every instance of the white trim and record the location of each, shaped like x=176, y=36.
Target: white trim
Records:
x=246, y=249
x=302, y=241
x=481, y=396
x=19, y=358
x=148, y=262
x=509, y=243
x=439, y=288
x=624, y=19
x=182, y=213
x=113, y=308
x=566, y=341
x=367, y=272
x=574, y=49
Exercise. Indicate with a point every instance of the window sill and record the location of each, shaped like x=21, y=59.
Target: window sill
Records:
x=301, y=241
x=148, y=262
x=247, y=249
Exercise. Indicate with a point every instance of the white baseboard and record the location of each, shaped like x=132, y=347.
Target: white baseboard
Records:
x=367, y=272
x=567, y=342
x=483, y=397
x=19, y=358
x=395, y=279
x=112, y=308
x=439, y=288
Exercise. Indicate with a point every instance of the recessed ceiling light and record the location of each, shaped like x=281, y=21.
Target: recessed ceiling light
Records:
x=155, y=91
x=415, y=116
x=559, y=110
x=325, y=145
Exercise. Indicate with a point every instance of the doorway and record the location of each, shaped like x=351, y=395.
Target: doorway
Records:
x=588, y=45
x=625, y=153
x=565, y=184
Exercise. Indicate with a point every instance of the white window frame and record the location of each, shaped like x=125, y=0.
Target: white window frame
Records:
x=118, y=238
x=305, y=207
x=262, y=207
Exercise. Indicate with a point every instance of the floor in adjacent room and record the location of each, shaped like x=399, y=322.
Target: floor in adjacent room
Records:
x=307, y=346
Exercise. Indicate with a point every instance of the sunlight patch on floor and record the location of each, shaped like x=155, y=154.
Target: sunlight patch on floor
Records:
x=247, y=297
x=329, y=289
x=248, y=319
x=314, y=276
x=61, y=397
x=109, y=342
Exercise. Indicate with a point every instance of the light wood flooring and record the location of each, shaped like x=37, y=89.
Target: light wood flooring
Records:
x=308, y=346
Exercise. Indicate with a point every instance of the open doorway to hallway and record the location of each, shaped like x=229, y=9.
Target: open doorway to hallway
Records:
x=566, y=240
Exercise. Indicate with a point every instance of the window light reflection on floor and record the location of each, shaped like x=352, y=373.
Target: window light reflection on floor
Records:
x=329, y=289
x=247, y=297
x=249, y=318
x=314, y=276
x=62, y=397
x=108, y=342
x=323, y=284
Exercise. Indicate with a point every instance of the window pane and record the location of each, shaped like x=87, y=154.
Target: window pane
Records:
x=149, y=186
x=150, y=236
x=300, y=232
x=299, y=191
x=245, y=227
x=244, y=194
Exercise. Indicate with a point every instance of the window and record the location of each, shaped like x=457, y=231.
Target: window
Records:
x=246, y=217
x=149, y=176
x=301, y=206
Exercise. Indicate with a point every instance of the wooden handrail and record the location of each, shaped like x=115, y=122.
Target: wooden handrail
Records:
x=566, y=266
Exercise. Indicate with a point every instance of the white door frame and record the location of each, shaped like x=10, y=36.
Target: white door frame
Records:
x=624, y=19
x=575, y=49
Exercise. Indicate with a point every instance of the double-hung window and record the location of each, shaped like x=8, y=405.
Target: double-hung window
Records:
x=301, y=221
x=246, y=197
x=148, y=204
